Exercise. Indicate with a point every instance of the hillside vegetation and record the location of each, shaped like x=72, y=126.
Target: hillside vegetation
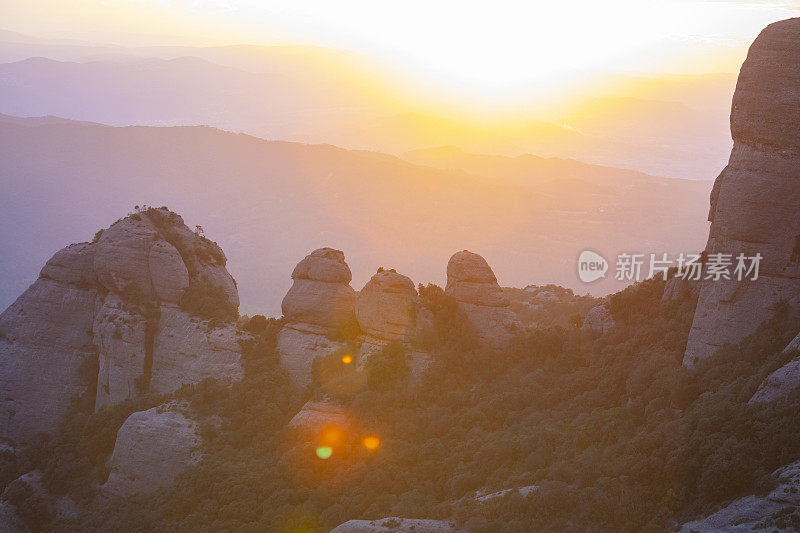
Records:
x=612, y=430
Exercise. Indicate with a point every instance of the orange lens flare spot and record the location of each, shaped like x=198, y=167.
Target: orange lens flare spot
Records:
x=372, y=443
x=347, y=359
x=332, y=436
x=324, y=452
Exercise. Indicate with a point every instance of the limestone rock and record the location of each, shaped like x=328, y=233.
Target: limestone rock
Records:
x=153, y=256
x=298, y=345
x=324, y=264
x=321, y=294
x=72, y=265
x=119, y=334
x=472, y=283
x=396, y=525
x=122, y=257
x=56, y=507
x=485, y=496
x=744, y=513
x=168, y=273
x=779, y=384
x=388, y=309
x=598, y=319
x=784, y=380
x=45, y=339
x=386, y=306
x=204, y=259
x=319, y=303
x=152, y=448
x=755, y=199
x=188, y=351
x=117, y=300
x=316, y=415
x=471, y=280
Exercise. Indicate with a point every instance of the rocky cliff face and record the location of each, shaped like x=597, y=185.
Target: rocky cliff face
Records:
x=396, y=525
x=783, y=381
x=106, y=319
x=152, y=448
x=755, y=199
x=386, y=310
x=598, y=319
x=755, y=512
x=472, y=283
x=319, y=304
x=386, y=306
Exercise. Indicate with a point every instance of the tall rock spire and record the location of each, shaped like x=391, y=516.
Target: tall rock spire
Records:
x=756, y=199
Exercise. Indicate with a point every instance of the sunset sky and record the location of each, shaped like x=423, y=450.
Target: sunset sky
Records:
x=490, y=46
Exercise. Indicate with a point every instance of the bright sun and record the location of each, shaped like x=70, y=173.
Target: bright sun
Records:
x=494, y=47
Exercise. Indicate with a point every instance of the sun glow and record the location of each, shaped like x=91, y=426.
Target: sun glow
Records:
x=486, y=50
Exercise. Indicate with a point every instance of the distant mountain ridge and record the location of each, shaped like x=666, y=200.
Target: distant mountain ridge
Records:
x=268, y=202
x=664, y=125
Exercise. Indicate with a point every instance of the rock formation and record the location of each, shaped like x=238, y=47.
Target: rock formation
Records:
x=45, y=340
x=319, y=305
x=755, y=199
x=115, y=304
x=474, y=286
x=779, y=384
x=31, y=484
x=152, y=448
x=754, y=512
x=388, y=309
x=598, y=319
x=316, y=415
x=396, y=525
x=784, y=380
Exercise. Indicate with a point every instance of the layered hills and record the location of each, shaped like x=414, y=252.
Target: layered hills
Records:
x=268, y=203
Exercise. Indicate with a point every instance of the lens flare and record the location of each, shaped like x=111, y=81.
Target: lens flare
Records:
x=372, y=443
x=324, y=452
x=332, y=436
x=347, y=359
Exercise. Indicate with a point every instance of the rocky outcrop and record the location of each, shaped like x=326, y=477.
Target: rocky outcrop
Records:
x=471, y=282
x=321, y=294
x=196, y=352
x=319, y=304
x=396, y=525
x=45, y=340
x=388, y=309
x=754, y=512
x=316, y=415
x=30, y=488
x=115, y=304
x=485, y=496
x=755, y=199
x=598, y=319
x=152, y=448
x=386, y=306
x=784, y=380
x=779, y=384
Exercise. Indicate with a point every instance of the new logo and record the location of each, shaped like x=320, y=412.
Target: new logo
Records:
x=591, y=266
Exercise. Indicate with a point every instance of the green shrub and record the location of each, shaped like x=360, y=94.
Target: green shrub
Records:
x=387, y=367
x=208, y=301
